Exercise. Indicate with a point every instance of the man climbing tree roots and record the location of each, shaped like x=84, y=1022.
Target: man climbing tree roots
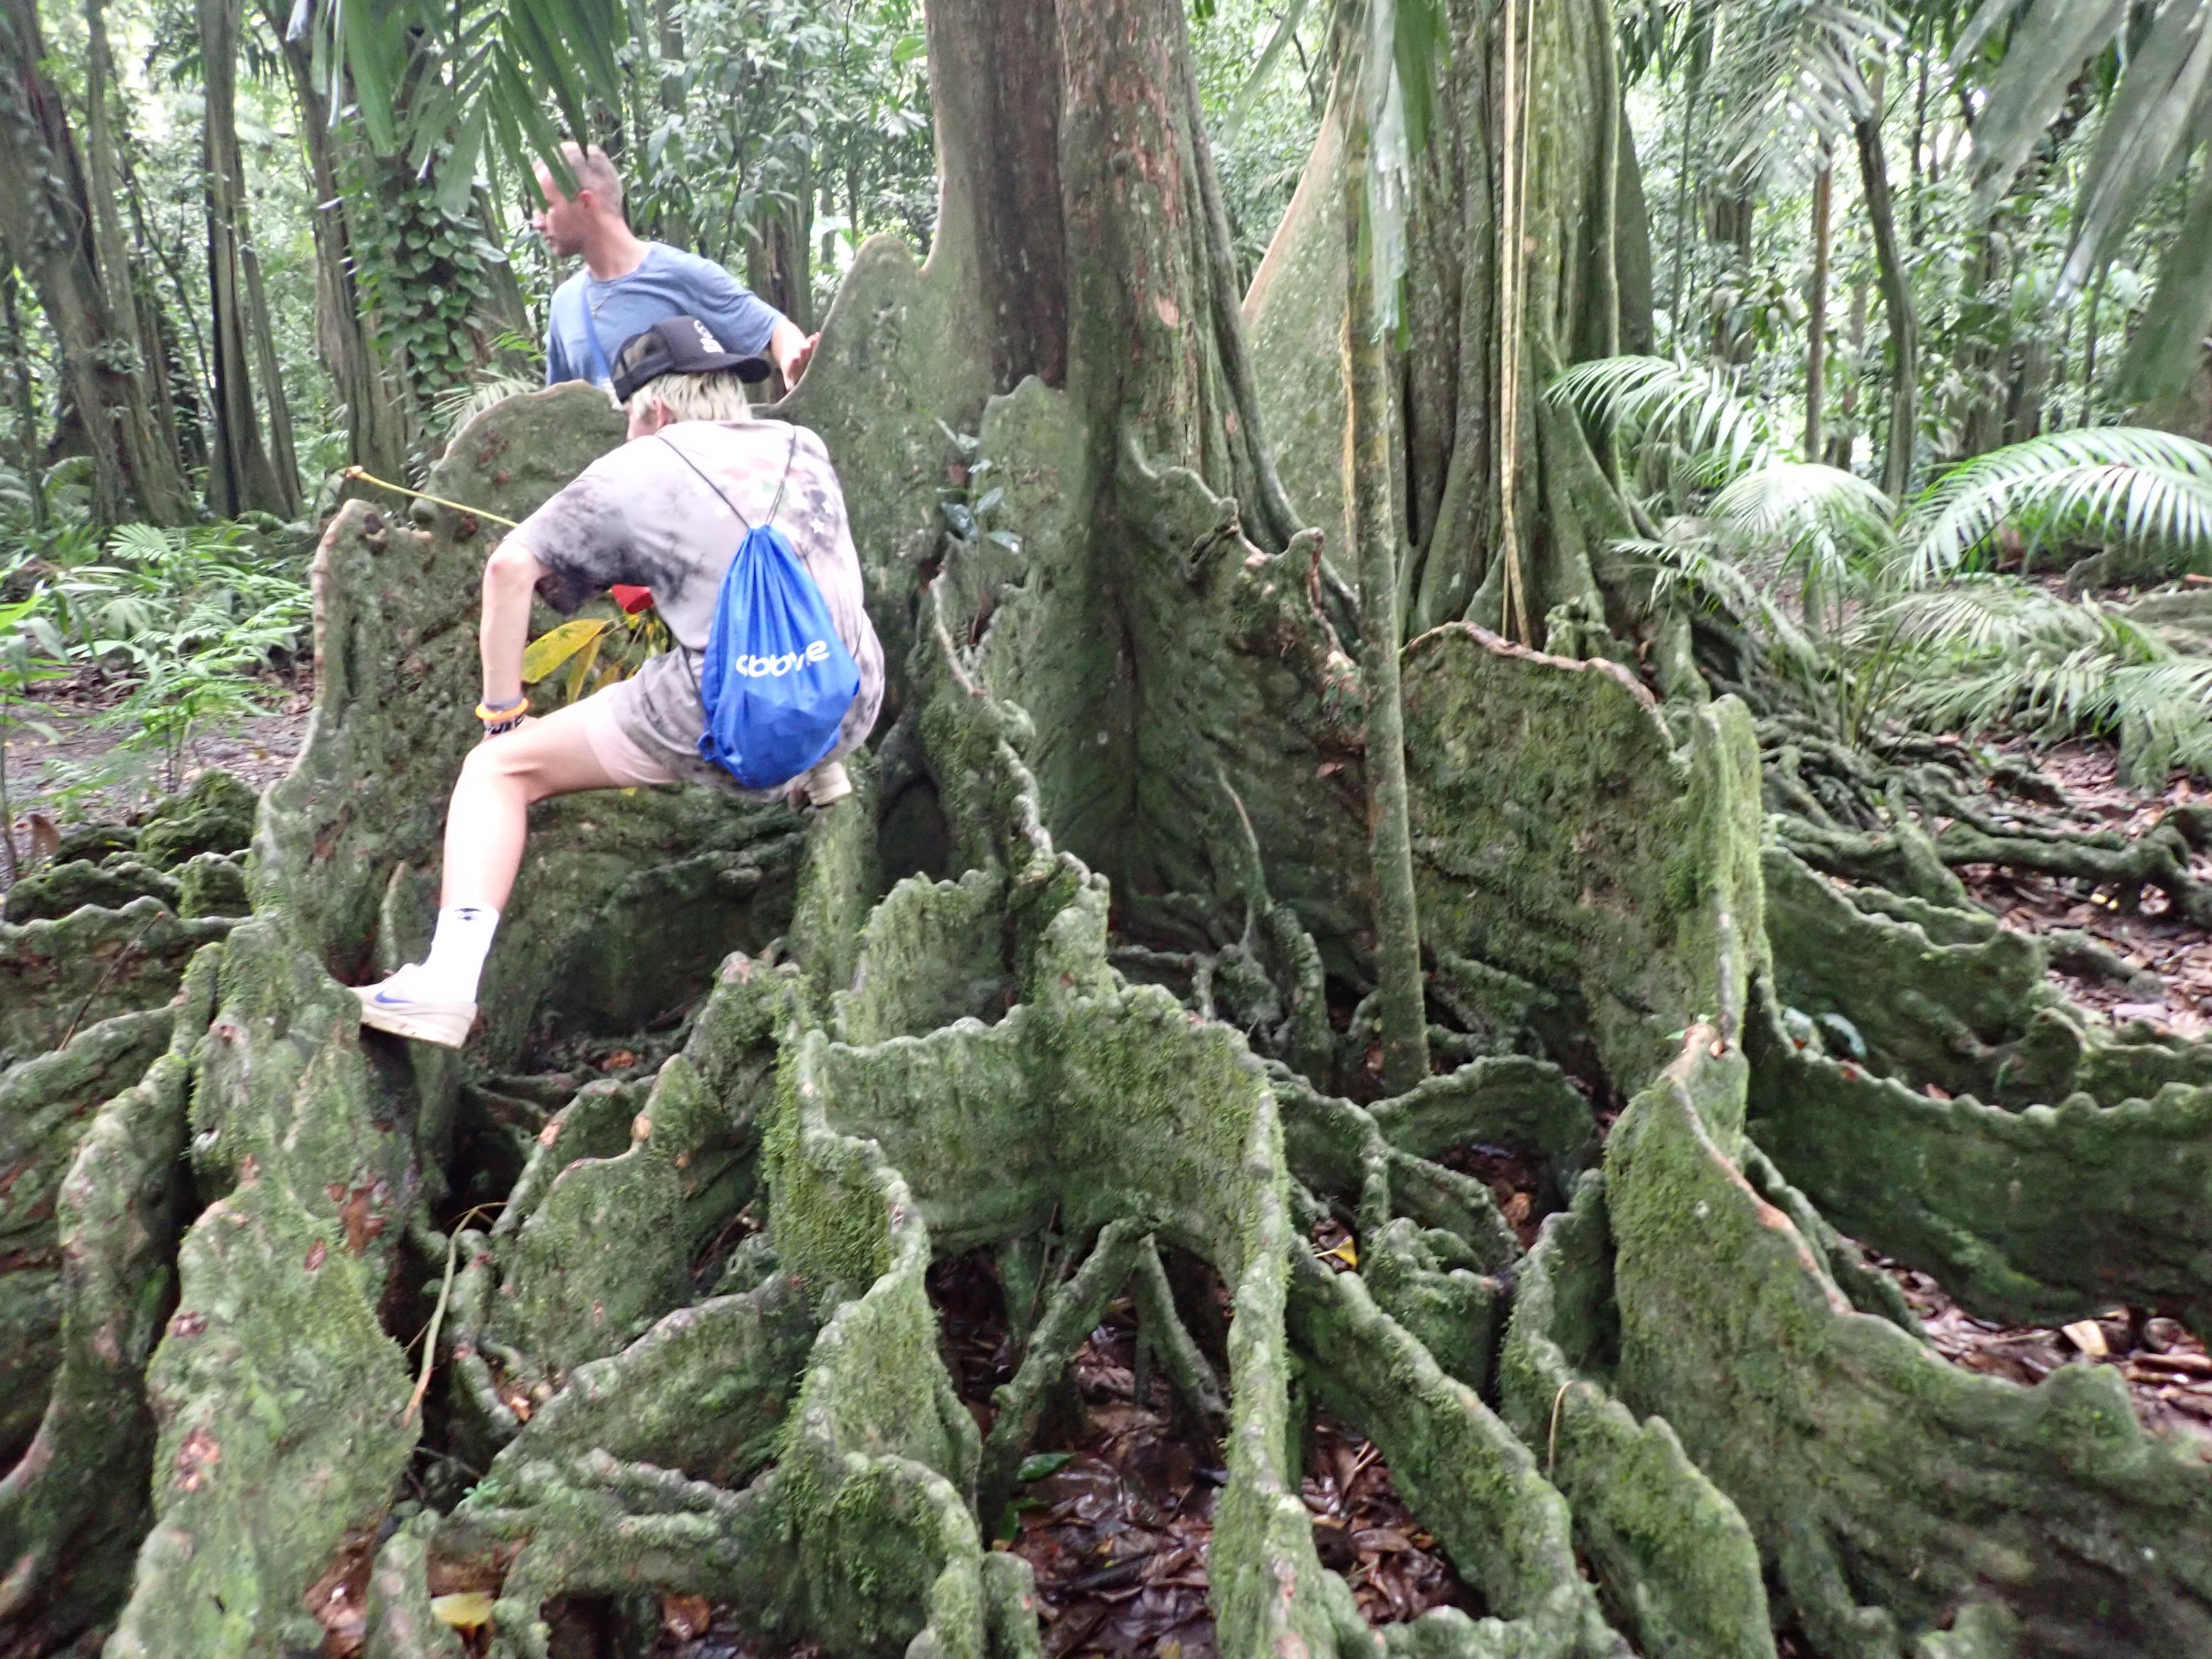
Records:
x=668, y=515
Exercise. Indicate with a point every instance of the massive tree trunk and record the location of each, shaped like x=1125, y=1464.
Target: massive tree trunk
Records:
x=1451, y=450
x=46, y=217
x=245, y=471
x=1056, y=985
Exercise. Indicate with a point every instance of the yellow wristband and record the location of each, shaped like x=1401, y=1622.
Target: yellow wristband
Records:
x=519, y=706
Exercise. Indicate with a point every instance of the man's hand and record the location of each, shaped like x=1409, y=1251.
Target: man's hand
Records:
x=790, y=350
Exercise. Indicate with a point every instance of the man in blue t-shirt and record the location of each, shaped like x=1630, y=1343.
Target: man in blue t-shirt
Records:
x=628, y=284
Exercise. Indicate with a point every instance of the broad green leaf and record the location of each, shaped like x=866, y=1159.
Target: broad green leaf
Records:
x=581, y=666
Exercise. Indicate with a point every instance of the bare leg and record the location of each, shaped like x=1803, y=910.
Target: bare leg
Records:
x=489, y=815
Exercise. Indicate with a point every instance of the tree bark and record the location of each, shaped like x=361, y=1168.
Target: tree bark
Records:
x=184, y=382
x=46, y=217
x=241, y=472
x=1451, y=381
x=1367, y=488
x=1683, y=243
x=156, y=457
x=1898, y=307
x=668, y=46
x=995, y=80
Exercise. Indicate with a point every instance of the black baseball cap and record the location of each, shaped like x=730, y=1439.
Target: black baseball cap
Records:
x=678, y=345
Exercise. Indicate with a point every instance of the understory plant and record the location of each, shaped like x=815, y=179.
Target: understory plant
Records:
x=1875, y=613
x=186, y=619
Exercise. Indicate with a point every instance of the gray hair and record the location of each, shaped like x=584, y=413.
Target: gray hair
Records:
x=720, y=396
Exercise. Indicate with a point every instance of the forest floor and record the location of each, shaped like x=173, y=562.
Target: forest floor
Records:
x=67, y=763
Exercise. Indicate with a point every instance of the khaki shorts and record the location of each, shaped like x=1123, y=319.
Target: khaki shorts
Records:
x=610, y=717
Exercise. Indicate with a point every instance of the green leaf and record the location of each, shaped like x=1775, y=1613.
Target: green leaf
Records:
x=1038, y=1465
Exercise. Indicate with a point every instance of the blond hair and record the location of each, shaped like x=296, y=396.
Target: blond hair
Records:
x=717, y=396
x=594, y=172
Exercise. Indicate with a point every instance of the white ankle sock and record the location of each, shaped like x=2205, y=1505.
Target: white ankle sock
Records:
x=457, y=949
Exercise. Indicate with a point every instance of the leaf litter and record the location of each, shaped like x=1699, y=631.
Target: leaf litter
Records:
x=1117, y=1520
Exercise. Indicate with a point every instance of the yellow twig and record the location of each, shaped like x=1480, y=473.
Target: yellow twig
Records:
x=424, y=495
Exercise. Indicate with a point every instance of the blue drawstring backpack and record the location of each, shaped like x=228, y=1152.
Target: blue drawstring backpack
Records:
x=777, y=681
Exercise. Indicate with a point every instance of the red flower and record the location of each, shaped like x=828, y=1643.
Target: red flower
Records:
x=632, y=599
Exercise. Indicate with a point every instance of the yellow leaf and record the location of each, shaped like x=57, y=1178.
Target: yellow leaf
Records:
x=1347, y=1252
x=2089, y=1336
x=579, y=668
x=463, y=1610
x=549, y=651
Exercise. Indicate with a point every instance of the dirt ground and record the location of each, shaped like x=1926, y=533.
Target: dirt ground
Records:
x=59, y=777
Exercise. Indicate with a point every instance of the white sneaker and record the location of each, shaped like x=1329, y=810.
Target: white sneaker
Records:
x=399, y=1004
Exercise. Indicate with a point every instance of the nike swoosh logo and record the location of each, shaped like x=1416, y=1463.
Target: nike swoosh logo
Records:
x=383, y=1001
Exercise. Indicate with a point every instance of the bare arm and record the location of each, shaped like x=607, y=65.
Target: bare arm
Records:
x=790, y=350
x=510, y=576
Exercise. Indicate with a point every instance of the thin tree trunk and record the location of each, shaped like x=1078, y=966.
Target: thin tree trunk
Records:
x=1897, y=306
x=1682, y=239
x=240, y=474
x=2054, y=415
x=156, y=462
x=1367, y=488
x=177, y=387
x=283, y=457
x=1816, y=324
x=2089, y=350
x=1920, y=181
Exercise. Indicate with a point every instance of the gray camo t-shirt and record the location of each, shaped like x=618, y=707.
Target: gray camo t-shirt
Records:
x=640, y=515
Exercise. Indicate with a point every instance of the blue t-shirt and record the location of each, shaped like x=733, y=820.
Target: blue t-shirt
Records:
x=667, y=283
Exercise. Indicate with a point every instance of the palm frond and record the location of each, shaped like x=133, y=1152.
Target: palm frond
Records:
x=1820, y=517
x=2150, y=126
x=1792, y=67
x=2112, y=485
x=497, y=66
x=1651, y=401
x=457, y=404
x=1686, y=559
